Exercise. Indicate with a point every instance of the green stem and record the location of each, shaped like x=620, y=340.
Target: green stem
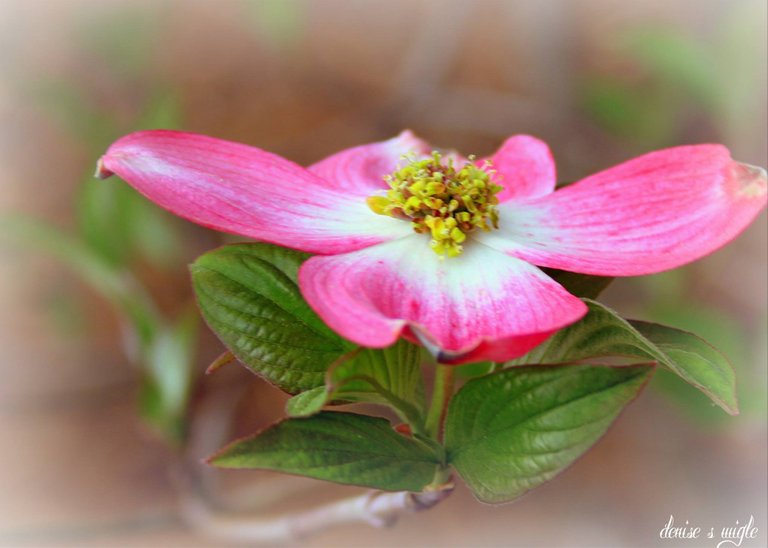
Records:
x=441, y=395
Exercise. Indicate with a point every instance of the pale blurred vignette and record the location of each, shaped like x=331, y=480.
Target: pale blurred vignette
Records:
x=600, y=80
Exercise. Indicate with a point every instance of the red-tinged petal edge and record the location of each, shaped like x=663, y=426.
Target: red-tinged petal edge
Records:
x=482, y=305
x=524, y=167
x=244, y=190
x=651, y=214
x=360, y=170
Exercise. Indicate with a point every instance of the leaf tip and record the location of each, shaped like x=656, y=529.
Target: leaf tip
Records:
x=216, y=459
x=404, y=429
x=221, y=361
x=210, y=459
x=732, y=408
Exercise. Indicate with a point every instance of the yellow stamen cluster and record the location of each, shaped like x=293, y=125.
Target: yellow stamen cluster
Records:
x=438, y=199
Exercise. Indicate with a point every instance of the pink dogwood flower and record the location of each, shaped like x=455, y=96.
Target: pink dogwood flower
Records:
x=441, y=249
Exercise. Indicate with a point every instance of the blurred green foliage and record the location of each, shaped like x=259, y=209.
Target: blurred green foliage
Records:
x=168, y=376
x=278, y=21
x=117, y=221
x=118, y=232
x=126, y=38
x=666, y=75
x=668, y=81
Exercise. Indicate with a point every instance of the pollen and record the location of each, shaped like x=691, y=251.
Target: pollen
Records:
x=441, y=200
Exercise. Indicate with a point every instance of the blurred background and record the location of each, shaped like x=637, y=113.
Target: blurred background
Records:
x=101, y=350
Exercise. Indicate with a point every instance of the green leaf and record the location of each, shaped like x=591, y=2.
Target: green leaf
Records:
x=249, y=295
x=696, y=361
x=339, y=447
x=476, y=369
x=511, y=431
x=389, y=376
x=602, y=333
x=167, y=383
x=307, y=403
x=585, y=286
x=103, y=219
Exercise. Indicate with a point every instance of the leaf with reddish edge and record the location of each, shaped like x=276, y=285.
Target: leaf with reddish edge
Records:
x=513, y=430
x=340, y=447
x=604, y=333
x=307, y=403
x=225, y=358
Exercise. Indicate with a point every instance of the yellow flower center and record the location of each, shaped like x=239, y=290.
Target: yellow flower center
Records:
x=440, y=200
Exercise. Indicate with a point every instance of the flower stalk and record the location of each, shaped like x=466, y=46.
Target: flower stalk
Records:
x=376, y=508
x=441, y=396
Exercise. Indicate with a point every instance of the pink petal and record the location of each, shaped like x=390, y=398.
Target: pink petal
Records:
x=244, y=190
x=524, y=167
x=653, y=213
x=360, y=170
x=480, y=305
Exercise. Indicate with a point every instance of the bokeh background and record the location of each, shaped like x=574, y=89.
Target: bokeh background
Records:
x=600, y=80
